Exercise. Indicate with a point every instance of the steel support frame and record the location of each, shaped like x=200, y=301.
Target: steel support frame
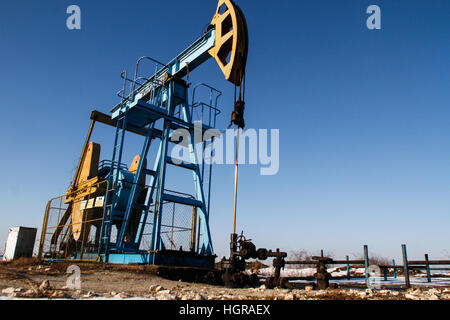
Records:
x=157, y=181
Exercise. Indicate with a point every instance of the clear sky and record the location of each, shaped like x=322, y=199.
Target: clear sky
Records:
x=364, y=115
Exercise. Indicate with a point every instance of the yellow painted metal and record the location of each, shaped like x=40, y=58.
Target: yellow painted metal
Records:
x=57, y=240
x=134, y=166
x=82, y=211
x=85, y=186
x=136, y=214
x=231, y=44
x=194, y=228
x=44, y=230
x=83, y=154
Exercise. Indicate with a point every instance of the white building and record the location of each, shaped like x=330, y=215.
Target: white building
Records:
x=20, y=243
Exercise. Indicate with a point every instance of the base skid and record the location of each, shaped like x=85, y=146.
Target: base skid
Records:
x=165, y=258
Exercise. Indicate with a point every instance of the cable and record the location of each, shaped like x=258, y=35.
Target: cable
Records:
x=236, y=180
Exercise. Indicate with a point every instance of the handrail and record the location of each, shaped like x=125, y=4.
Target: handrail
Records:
x=199, y=104
x=213, y=105
x=105, y=163
x=201, y=84
x=133, y=87
x=130, y=80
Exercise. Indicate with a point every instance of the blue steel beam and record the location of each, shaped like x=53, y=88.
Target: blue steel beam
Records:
x=207, y=247
x=189, y=59
x=133, y=194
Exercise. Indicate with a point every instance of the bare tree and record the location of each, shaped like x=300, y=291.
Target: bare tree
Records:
x=375, y=259
x=303, y=255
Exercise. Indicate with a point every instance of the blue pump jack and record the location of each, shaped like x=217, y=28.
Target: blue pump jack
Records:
x=136, y=202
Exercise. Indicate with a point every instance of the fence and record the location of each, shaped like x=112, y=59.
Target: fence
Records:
x=407, y=267
x=72, y=225
x=178, y=227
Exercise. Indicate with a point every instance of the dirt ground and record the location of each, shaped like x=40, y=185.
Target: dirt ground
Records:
x=29, y=279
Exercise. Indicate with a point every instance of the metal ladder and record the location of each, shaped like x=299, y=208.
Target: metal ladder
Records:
x=210, y=114
x=111, y=194
x=155, y=97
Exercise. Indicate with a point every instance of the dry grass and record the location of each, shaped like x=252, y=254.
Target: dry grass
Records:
x=21, y=262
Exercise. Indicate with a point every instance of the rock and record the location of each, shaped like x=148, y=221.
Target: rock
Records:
x=122, y=295
x=433, y=291
x=165, y=295
x=60, y=295
x=411, y=296
x=289, y=296
x=414, y=290
x=361, y=294
x=90, y=294
x=191, y=296
x=164, y=291
x=369, y=292
x=12, y=290
x=309, y=288
x=31, y=293
x=155, y=288
x=199, y=297
x=45, y=285
x=445, y=296
x=9, y=291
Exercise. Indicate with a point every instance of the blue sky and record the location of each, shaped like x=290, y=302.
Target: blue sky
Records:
x=363, y=114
